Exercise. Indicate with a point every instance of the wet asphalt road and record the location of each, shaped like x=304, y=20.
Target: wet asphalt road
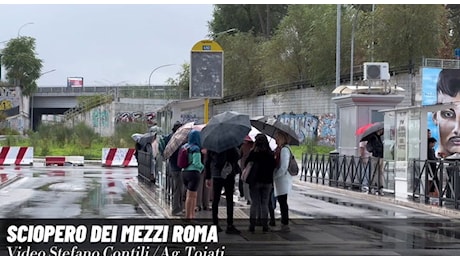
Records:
x=324, y=220
x=68, y=192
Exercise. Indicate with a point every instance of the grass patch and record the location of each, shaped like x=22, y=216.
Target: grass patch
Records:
x=80, y=140
x=311, y=147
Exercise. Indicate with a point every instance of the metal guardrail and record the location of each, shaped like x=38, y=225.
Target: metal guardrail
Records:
x=152, y=92
x=441, y=63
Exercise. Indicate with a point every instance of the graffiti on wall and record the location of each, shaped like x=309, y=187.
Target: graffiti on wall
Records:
x=138, y=116
x=100, y=118
x=185, y=118
x=326, y=129
x=16, y=123
x=306, y=126
x=9, y=103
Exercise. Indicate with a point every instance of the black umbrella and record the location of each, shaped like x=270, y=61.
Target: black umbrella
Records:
x=370, y=130
x=225, y=130
x=270, y=126
x=145, y=139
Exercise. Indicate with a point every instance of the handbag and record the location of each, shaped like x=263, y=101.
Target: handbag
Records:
x=246, y=172
x=293, y=167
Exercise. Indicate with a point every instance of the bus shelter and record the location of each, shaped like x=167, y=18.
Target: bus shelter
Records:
x=405, y=140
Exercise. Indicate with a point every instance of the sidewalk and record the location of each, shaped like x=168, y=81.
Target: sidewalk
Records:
x=451, y=213
x=331, y=221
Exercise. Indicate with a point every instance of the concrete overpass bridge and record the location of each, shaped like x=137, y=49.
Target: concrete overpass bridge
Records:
x=57, y=100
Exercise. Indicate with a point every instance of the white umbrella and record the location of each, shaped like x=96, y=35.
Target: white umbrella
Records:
x=271, y=141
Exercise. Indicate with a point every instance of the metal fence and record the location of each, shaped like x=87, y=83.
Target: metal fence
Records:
x=145, y=166
x=155, y=173
x=430, y=181
x=437, y=182
x=347, y=172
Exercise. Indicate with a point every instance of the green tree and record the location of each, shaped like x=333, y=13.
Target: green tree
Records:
x=22, y=67
x=182, y=79
x=406, y=33
x=261, y=20
x=303, y=47
x=242, y=67
x=454, y=24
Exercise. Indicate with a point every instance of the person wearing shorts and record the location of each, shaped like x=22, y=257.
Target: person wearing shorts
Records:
x=191, y=174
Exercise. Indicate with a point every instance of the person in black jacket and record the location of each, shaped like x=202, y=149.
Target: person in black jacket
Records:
x=261, y=183
x=375, y=146
x=431, y=156
x=178, y=189
x=214, y=166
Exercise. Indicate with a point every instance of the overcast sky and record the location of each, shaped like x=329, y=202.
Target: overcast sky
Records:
x=108, y=44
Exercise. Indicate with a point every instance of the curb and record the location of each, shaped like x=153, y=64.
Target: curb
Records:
x=86, y=162
x=147, y=198
x=10, y=181
x=451, y=213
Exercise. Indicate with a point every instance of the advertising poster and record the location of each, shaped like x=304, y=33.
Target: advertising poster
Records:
x=441, y=86
x=75, y=82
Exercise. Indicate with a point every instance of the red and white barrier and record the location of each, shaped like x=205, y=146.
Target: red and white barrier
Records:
x=123, y=157
x=14, y=155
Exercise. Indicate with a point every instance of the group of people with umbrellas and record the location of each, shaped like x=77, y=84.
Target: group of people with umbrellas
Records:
x=215, y=149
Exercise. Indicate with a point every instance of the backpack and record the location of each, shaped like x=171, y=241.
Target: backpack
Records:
x=369, y=147
x=182, y=157
x=226, y=170
x=293, y=167
x=162, y=141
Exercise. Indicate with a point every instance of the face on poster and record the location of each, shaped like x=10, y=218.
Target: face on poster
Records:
x=442, y=86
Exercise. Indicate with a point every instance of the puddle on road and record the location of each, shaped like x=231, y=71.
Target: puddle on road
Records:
x=71, y=193
x=337, y=201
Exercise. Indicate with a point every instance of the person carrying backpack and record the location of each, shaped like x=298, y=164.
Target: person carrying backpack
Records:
x=191, y=173
x=216, y=165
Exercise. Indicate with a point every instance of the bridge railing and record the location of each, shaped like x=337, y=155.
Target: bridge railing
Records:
x=88, y=104
x=154, y=92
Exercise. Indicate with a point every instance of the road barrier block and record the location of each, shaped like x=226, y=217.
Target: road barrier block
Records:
x=123, y=157
x=55, y=160
x=15, y=155
x=75, y=160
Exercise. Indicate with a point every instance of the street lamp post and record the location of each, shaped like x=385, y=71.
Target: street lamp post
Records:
x=159, y=67
x=155, y=69
x=22, y=26
x=352, y=47
x=32, y=102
